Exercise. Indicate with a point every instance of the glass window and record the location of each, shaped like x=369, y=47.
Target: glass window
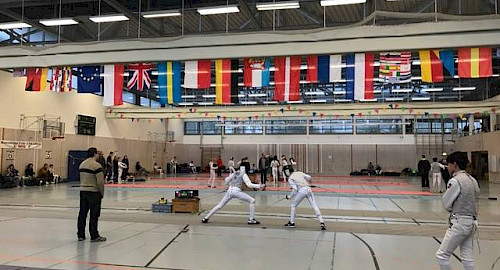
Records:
x=128, y=97
x=332, y=126
x=144, y=102
x=212, y=128
x=243, y=127
x=378, y=126
x=191, y=128
x=155, y=104
x=286, y=127
x=434, y=126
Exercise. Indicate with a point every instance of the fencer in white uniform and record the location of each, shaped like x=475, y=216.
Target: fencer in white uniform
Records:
x=300, y=184
x=230, y=165
x=275, y=164
x=213, y=167
x=235, y=182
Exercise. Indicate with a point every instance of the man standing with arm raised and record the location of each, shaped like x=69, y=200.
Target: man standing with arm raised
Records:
x=91, y=194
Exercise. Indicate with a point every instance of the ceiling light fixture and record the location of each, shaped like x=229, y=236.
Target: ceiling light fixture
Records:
x=13, y=25
x=433, y=90
x=58, y=22
x=402, y=90
x=472, y=88
x=109, y=18
x=325, y=3
x=420, y=98
x=277, y=5
x=161, y=14
x=218, y=10
x=318, y=101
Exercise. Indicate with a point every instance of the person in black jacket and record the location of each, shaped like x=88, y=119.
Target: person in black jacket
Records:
x=424, y=166
x=125, y=170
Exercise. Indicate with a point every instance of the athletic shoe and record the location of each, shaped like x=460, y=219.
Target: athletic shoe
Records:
x=290, y=225
x=205, y=220
x=323, y=227
x=81, y=238
x=253, y=222
x=98, y=239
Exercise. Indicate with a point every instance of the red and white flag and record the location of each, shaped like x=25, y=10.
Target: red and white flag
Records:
x=113, y=85
x=287, y=78
x=141, y=76
x=197, y=74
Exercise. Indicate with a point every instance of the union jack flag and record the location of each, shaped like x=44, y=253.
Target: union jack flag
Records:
x=141, y=78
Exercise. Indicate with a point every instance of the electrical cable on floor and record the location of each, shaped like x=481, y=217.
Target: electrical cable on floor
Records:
x=377, y=267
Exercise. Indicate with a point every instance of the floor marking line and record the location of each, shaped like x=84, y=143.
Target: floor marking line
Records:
x=184, y=230
x=375, y=262
x=396, y=204
x=493, y=265
x=333, y=249
x=314, y=251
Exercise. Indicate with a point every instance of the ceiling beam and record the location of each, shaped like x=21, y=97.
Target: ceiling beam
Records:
x=310, y=16
x=33, y=23
x=246, y=9
x=132, y=16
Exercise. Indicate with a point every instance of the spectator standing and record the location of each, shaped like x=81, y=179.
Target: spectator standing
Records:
x=121, y=167
x=115, y=168
x=173, y=166
x=284, y=166
x=91, y=194
x=102, y=160
x=192, y=167
x=220, y=165
x=263, y=167
x=435, y=173
x=424, y=167
x=125, y=170
x=275, y=164
x=109, y=167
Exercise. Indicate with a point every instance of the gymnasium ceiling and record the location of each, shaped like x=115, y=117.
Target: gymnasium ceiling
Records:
x=310, y=15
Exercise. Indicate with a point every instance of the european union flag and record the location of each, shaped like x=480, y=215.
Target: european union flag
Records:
x=89, y=79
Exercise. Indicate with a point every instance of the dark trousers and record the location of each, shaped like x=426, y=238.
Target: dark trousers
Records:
x=219, y=171
x=425, y=179
x=89, y=201
x=263, y=176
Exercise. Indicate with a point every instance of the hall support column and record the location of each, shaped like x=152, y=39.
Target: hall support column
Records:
x=493, y=121
x=471, y=124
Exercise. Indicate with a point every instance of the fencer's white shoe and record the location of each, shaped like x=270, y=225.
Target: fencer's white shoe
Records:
x=323, y=226
x=205, y=220
x=290, y=225
x=253, y=222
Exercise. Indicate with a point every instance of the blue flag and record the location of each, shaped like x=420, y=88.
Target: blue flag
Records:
x=169, y=82
x=448, y=61
x=89, y=79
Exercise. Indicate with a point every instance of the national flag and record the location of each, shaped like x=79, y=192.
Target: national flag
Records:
x=113, y=85
x=474, y=63
x=141, y=76
x=36, y=79
x=395, y=67
x=256, y=72
x=169, y=82
x=359, y=75
x=89, y=79
x=19, y=72
x=448, y=60
x=223, y=81
x=61, y=79
x=324, y=68
x=431, y=67
x=287, y=78
x=197, y=74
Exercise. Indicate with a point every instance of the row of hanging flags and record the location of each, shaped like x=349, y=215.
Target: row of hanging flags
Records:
x=395, y=67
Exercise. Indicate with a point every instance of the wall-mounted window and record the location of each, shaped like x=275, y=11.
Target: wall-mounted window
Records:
x=243, y=127
x=128, y=97
x=191, y=128
x=211, y=128
x=286, y=127
x=378, y=126
x=331, y=126
x=434, y=126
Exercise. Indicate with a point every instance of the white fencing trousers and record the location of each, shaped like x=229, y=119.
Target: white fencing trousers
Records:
x=211, y=180
x=231, y=170
x=120, y=172
x=275, y=174
x=301, y=194
x=436, y=182
x=234, y=192
x=461, y=234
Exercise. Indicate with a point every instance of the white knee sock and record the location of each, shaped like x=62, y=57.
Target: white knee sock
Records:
x=444, y=264
x=468, y=265
x=252, y=210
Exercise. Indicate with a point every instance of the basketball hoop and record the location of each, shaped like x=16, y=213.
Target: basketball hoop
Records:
x=54, y=138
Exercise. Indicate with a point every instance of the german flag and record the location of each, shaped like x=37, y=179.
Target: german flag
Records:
x=474, y=63
x=36, y=79
x=226, y=81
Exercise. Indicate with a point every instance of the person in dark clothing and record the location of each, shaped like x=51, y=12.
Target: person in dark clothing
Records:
x=101, y=160
x=263, y=167
x=445, y=173
x=109, y=167
x=125, y=170
x=220, y=165
x=29, y=175
x=115, y=169
x=43, y=174
x=424, y=166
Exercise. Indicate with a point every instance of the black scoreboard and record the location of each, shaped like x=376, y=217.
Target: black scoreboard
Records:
x=85, y=125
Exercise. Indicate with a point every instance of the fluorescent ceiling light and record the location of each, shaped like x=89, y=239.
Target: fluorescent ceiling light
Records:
x=315, y=93
x=339, y=92
x=109, y=18
x=208, y=96
x=185, y=104
x=464, y=88
x=295, y=102
x=402, y=90
x=277, y=5
x=318, y=101
x=13, y=25
x=325, y=3
x=205, y=103
x=248, y=102
x=368, y=99
x=394, y=99
x=188, y=96
x=342, y=100
x=420, y=98
x=270, y=102
x=433, y=90
x=58, y=22
x=218, y=10
x=257, y=95
x=377, y=91
x=161, y=14
x=241, y=95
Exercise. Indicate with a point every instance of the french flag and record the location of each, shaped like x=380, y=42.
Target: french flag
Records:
x=256, y=72
x=287, y=78
x=197, y=74
x=359, y=75
x=324, y=68
x=113, y=85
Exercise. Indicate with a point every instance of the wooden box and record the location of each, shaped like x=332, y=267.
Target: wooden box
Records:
x=186, y=205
